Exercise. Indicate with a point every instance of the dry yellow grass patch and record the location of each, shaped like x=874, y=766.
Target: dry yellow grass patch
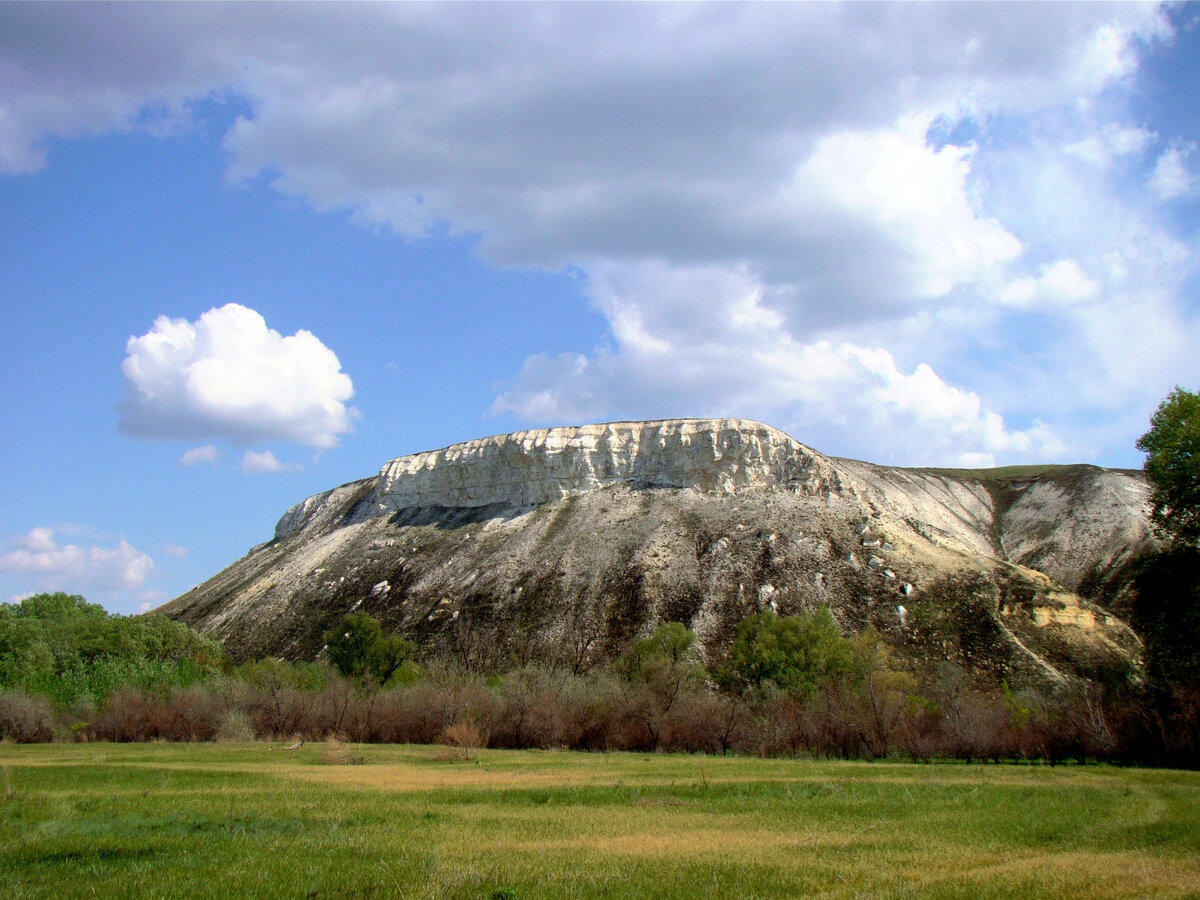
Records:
x=1078, y=874
x=684, y=843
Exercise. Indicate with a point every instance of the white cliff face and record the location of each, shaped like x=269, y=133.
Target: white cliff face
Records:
x=528, y=468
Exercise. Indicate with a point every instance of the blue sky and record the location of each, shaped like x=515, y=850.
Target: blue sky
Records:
x=251, y=252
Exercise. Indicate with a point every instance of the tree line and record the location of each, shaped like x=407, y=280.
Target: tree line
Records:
x=790, y=685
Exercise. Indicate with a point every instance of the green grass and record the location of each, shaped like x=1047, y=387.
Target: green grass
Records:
x=171, y=820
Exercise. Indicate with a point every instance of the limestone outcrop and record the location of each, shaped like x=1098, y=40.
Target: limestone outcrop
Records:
x=529, y=468
x=563, y=544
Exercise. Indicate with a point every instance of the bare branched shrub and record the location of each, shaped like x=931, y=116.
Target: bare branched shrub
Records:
x=235, y=726
x=337, y=753
x=466, y=738
x=189, y=714
x=129, y=714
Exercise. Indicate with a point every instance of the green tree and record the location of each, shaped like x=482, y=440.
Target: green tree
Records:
x=1172, y=448
x=358, y=648
x=1166, y=605
x=666, y=653
x=793, y=653
x=63, y=647
x=655, y=671
x=1166, y=614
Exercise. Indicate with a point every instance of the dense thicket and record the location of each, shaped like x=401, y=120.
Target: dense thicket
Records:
x=69, y=650
x=790, y=685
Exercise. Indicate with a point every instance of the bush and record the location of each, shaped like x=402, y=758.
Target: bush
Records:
x=466, y=737
x=25, y=718
x=336, y=753
x=65, y=648
x=235, y=728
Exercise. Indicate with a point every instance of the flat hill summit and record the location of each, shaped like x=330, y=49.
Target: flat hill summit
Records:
x=560, y=546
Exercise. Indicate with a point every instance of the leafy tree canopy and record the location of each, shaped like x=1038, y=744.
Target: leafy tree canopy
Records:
x=1172, y=448
x=357, y=647
x=62, y=646
x=794, y=653
x=1166, y=614
x=667, y=653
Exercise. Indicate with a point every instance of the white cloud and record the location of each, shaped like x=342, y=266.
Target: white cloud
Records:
x=835, y=396
x=197, y=455
x=51, y=566
x=174, y=550
x=750, y=191
x=228, y=375
x=1111, y=143
x=1062, y=283
x=911, y=196
x=254, y=461
x=1171, y=177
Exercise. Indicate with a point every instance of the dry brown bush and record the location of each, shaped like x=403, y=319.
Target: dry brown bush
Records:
x=235, y=727
x=337, y=753
x=466, y=738
x=129, y=714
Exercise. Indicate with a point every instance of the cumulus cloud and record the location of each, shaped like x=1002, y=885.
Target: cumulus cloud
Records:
x=175, y=550
x=42, y=561
x=228, y=375
x=851, y=218
x=265, y=461
x=198, y=455
x=1110, y=144
x=912, y=196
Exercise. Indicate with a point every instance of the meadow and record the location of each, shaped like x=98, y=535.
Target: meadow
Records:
x=327, y=820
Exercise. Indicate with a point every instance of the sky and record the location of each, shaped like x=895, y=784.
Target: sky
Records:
x=250, y=252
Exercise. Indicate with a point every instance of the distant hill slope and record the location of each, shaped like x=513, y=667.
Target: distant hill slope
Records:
x=561, y=545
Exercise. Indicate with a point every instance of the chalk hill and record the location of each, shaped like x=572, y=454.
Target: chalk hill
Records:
x=561, y=545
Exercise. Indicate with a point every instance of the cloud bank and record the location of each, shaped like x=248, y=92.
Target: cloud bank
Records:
x=227, y=375
x=924, y=233
x=48, y=565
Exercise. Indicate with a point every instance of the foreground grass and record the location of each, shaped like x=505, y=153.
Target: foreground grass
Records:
x=171, y=820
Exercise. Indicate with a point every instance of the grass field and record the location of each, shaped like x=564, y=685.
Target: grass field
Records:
x=202, y=820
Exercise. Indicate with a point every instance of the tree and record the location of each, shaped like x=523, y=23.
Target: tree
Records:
x=1166, y=614
x=359, y=649
x=794, y=653
x=1166, y=611
x=62, y=646
x=1166, y=608
x=654, y=671
x=1172, y=465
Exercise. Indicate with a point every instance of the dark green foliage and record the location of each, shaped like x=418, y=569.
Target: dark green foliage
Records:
x=1172, y=464
x=1166, y=613
x=358, y=648
x=793, y=653
x=65, y=648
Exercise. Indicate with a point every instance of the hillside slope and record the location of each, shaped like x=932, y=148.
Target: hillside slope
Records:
x=561, y=545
